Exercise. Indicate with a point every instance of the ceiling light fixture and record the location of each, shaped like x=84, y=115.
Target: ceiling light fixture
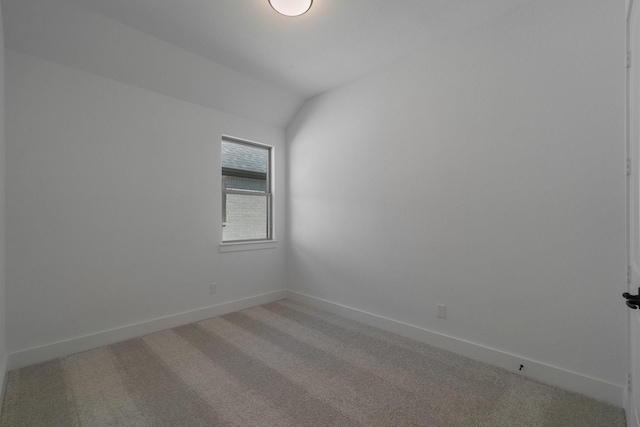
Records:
x=291, y=7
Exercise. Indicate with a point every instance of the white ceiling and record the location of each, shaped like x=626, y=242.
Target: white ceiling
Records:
x=286, y=58
x=335, y=42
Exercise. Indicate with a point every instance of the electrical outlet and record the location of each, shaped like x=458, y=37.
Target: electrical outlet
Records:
x=442, y=311
x=212, y=288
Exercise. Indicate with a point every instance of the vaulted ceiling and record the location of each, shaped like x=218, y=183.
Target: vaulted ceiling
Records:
x=269, y=63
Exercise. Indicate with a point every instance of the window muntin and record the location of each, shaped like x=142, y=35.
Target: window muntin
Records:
x=246, y=191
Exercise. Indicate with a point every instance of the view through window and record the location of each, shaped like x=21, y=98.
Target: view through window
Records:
x=246, y=191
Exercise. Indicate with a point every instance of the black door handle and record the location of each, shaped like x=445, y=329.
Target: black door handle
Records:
x=633, y=301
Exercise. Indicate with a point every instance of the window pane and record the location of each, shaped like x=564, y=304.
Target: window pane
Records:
x=239, y=183
x=245, y=169
x=246, y=217
x=248, y=161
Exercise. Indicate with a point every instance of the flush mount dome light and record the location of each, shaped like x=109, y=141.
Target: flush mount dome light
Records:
x=291, y=7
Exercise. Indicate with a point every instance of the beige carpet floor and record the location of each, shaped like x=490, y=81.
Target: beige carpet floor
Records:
x=285, y=364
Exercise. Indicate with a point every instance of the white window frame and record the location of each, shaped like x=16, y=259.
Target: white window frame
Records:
x=250, y=244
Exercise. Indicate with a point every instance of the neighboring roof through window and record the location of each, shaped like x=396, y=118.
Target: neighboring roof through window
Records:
x=243, y=157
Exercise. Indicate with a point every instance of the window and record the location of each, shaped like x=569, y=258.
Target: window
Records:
x=246, y=191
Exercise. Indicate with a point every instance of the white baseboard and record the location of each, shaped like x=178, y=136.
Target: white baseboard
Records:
x=51, y=351
x=632, y=418
x=4, y=376
x=592, y=387
x=630, y=412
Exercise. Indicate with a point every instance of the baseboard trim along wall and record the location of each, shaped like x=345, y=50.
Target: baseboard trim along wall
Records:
x=592, y=387
x=51, y=351
x=4, y=376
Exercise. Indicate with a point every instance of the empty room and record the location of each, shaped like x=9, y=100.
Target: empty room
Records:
x=320, y=213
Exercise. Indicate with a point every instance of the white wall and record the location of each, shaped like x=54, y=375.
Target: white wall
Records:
x=114, y=207
x=3, y=348
x=486, y=174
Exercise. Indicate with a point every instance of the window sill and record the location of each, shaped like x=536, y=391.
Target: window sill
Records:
x=247, y=246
